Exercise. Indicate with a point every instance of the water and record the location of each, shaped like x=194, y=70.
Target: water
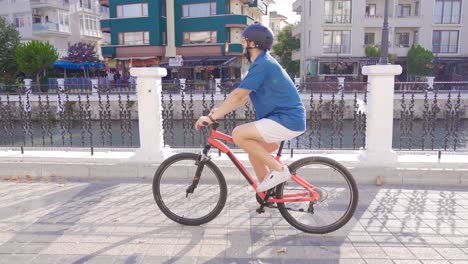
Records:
x=181, y=137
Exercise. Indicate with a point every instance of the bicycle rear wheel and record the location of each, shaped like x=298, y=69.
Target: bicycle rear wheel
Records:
x=171, y=181
x=338, y=190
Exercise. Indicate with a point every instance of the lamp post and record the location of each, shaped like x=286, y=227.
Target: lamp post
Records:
x=384, y=48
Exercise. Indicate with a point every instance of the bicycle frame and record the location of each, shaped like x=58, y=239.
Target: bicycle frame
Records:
x=310, y=196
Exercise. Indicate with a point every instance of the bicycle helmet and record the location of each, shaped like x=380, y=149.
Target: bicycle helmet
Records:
x=261, y=35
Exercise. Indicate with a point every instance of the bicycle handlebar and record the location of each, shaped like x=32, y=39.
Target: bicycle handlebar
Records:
x=214, y=125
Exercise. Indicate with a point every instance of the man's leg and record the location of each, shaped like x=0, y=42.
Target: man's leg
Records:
x=259, y=167
x=249, y=139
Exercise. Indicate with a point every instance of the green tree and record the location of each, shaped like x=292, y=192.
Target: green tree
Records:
x=9, y=39
x=417, y=61
x=35, y=57
x=283, y=49
x=372, y=52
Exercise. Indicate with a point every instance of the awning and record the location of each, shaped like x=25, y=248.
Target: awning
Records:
x=78, y=66
x=220, y=61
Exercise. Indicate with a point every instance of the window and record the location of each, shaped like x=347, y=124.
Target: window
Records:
x=402, y=39
x=337, y=41
x=369, y=38
x=164, y=38
x=416, y=38
x=447, y=12
x=370, y=10
x=445, y=41
x=404, y=10
x=132, y=10
x=309, y=37
x=134, y=38
x=200, y=37
x=416, y=8
x=337, y=11
x=22, y=20
x=199, y=10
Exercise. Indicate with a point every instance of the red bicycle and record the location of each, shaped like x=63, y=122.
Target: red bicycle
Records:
x=320, y=197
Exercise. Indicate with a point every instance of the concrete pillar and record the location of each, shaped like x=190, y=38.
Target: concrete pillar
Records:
x=170, y=32
x=94, y=86
x=149, y=88
x=218, y=85
x=61, y=95
x=379, y=129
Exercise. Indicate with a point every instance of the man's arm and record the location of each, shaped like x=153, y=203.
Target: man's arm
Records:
x=237, y=98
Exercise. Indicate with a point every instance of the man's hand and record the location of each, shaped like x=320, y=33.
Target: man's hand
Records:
x=202, y=122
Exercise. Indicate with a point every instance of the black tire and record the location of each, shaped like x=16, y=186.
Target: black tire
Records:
x=341, y=185
x=179, y=171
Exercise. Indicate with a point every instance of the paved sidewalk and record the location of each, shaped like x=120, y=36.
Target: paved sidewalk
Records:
x=68, y=222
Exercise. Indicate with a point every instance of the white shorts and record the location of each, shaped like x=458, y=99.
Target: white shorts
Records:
x=273, y=132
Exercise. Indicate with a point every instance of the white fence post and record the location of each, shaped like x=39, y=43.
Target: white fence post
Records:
x=430, y=83
x=379, y=129
x=218, y=85
x=297, y=82
x=61, y=95
x=28, y=92
x=149, y=88
x=94, y=84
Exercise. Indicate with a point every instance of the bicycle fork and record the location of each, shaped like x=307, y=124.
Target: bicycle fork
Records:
x=201, y=160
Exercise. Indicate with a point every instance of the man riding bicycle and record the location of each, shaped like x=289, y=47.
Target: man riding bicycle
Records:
x=280, y=114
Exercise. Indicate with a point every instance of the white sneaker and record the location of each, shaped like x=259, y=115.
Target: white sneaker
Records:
x=275, y=178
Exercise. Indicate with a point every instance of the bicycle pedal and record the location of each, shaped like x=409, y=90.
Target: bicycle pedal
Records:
x=260, y=210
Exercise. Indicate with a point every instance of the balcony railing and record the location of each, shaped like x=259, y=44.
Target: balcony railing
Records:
x=50, y=3
x=336, y=49
x=336, y=19
x=50, y=27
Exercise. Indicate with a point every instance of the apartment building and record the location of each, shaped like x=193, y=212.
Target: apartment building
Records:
x=335, y=33
x=277, y=22
x=184, y=36
x=60, y=22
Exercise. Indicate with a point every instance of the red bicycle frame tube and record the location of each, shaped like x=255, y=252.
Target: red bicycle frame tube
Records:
x=296, y=197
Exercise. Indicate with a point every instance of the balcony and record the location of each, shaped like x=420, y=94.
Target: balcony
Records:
x=297, y=6
x=60, y=4
x=336, y=49
x=84, y=7
x=262, y=5
x=92, y=34
x=296, y=55
x=407, y=21
x=297, y=31
x=247, y=1
x=105, y=25
x=336, y=20
x=234, y=49
x=104, y=2
x=237, y=20
x=108, y=52
x=372, y=20
x=50, y=28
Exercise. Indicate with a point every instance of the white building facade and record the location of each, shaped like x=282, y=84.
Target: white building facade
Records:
x=59, y=22
x=334, y=34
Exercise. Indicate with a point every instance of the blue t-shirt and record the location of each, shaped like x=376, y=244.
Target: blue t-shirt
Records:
x=274, y=95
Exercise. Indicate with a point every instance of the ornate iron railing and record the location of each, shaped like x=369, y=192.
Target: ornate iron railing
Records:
x=335, y=116
x=67, y=117
x=431, y=116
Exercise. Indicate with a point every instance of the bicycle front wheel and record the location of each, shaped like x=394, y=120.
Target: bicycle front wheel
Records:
x=336, y=186
x=171, y=181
